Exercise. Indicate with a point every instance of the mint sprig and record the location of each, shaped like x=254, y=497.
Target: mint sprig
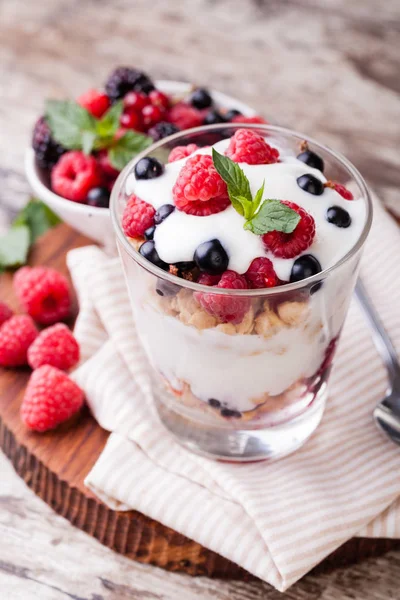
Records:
x=260, y=216
x=130, y=144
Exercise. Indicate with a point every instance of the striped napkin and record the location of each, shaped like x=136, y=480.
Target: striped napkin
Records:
x=279, y=519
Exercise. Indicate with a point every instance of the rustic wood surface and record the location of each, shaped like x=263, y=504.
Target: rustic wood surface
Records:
x=327, y=67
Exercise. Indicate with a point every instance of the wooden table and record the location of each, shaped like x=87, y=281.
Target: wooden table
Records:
x=327, y=67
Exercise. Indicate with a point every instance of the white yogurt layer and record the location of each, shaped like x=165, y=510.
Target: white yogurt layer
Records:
x=177, y=238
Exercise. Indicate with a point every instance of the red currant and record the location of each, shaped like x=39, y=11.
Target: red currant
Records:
x=157, y=98
x=130, y=120
x=151, y=115
x=136, y=100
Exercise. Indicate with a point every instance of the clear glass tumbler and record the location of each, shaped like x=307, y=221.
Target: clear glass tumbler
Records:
x=250, y=390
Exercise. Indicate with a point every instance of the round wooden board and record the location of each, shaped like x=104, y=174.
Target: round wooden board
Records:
x=55, y=464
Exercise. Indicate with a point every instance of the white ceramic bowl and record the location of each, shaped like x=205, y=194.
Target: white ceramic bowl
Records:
x=95, y=223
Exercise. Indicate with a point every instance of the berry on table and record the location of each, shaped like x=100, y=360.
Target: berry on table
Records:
x=310, y=184
x=55, y=346
x=148, y=168
x=148, y=251
x=227, y=309
x=261, y=273
x=247, y=146
x=74, y=175
x=136, y=101
x=184, y=116
x=303, y=267
x=137, y=217
x=43, y=293
x=340, y=189
x=211, y=257
x=151, y=115
x=51, y=398
x=213, y=117
x=338, y=216
x=5, y=313
x=99, y=196
x=201, y=98
x=131, y=120
x=199, y=189
x=47, y=150
x=16, y=335
x=159, y=99
x=180, y=152
x=125, y=79
x=95, y=102
x=163, y=212
x=162, y=130
x=289, y=245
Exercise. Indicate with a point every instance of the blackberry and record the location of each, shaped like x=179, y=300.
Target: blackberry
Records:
x=47, y=150
x=125, y=79
x=162, y=130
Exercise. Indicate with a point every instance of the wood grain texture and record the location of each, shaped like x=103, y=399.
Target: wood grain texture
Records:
x=327, y=67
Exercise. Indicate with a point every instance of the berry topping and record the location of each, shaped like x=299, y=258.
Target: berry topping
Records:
x=201, y=98
x=125, y=79
x=229, y=413
x=99, y=196
x=213, y=117
x=149, y=233
x=95, y=102
x=310, y=184
x=137, y=217
x=54, y=346
x=184, y=116
x=256, y=120
x=340, y=189
x=208, y=279
x=159, y=99
x=148, y=250
x=51, y=398
x=148, y=168
x=289, y=245
x=261, y=273
x=211, y=257
x=231, y=114
x=135, y=101
x=312, y=160
x=303, y=267
x=5, y=313
x=131, y=120
x=43, y=293
x=151, y=115
x=185, y=265
x=214, y=402
x=47, y=150
x=74, y=175
x=16, y=335
x=228, y=309
x=338, y=216
x=199, y=189
x=163, y=212
x=181, y=152
x=105, y=166
x=162, y=130
x=249, y=147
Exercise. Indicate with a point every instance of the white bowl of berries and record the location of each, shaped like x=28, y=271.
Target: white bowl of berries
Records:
x=79, y=148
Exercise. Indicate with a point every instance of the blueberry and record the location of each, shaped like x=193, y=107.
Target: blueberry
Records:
x=338, y=216
x=311, y=184
x=211, y=257
x=99, y=196
x=227, y=412
x=163, y=212
x=185, y=265
x=201, y=98
x=303, y=267
x=231, y=114
x=213, y=117
x=214, y=402
x=149, y=233
x=166, y=288
x=148, y=250
x=148, y=168
x=312, y=160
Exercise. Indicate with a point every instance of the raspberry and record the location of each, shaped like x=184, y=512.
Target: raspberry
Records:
x=138, y=216
x=162, y=130
x=180, y=152
x=249, y=147
x=228, y=309
x=55, y=346
x=5, y=313
x=289, y=245
x=95, y=102
x=105, y=166
x=261, y=273
x=256, y=119
x=47, y=150
x=44, y=293
x=184, y=116
x=199, y=190
x=74, y=175
x=51, y=398
x=208, y=279
x=125, y=79
x=340, y=189
x=16, y=335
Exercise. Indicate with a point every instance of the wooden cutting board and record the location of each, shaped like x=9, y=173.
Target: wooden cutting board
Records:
x=55, y=464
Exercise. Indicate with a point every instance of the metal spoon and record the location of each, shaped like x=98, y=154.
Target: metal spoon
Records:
x=387, y=411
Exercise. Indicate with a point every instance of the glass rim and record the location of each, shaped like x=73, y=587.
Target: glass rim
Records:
x=261, y=292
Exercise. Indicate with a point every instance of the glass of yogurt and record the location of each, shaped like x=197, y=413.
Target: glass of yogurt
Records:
x=240, y=247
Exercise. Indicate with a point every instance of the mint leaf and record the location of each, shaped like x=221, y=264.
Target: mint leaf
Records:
x=14, y=247
x=130, y=144
x=108, y=124
x=68, y=121
x=273, y=216
x=241, y=204
x=237, y=182
x=88, y=139
x=258, y=197
x=37, y=217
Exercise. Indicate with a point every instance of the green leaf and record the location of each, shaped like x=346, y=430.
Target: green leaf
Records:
x=241, y=204
x=14, y=247
x=273, y=216
x=107, y=126
x=68, y=121
x=234, y=177
x=128, y=146
x=37, y=217
x=88, y=140
x=258, y=197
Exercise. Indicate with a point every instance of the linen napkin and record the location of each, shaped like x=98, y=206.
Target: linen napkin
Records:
x=279, y=519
